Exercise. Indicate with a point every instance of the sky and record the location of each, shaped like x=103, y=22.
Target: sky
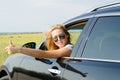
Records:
x=39, y=15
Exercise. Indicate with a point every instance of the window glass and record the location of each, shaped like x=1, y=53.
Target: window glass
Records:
x=104, y=40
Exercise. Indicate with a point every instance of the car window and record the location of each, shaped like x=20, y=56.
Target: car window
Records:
x=75, y=32
x=104, y=40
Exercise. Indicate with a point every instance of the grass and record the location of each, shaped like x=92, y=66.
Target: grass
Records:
x=18, y=40
x=21, y=38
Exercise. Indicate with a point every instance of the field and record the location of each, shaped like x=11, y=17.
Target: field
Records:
x=18, y=39
x=21, y=38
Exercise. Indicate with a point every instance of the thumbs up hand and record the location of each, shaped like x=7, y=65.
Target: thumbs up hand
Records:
x=10, y=43
x=11, y=49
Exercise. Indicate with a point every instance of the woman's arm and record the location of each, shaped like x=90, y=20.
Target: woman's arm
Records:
x=62, y=52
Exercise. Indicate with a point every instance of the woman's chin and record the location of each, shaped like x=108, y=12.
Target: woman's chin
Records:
x=60, y=46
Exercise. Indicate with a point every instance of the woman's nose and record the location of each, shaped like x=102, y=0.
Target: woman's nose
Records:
x=58, y=38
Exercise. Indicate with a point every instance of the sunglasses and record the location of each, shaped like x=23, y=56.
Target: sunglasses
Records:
x=60, y=36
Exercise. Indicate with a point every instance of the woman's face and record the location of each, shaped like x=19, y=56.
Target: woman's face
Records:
x=59, y=37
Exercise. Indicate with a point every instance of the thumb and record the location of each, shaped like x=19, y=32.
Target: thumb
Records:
x=11, y=43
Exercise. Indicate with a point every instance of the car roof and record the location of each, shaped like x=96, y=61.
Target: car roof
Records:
x=98, y=12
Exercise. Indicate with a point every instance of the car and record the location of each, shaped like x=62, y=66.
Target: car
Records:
x=95, y=56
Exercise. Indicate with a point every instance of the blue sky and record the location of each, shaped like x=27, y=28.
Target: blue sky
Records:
x=39, y=15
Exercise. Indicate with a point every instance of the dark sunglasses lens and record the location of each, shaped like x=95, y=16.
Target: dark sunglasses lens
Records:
x=55, y=39
x=62, y=36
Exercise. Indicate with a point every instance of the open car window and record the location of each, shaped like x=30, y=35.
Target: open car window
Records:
x=75, y=30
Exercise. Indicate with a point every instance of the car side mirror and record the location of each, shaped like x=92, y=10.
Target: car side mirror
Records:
x=29, y=45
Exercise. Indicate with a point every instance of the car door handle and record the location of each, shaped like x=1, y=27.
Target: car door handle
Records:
x=54, y=71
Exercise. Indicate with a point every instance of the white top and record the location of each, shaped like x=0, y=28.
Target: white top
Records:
x=69, y=46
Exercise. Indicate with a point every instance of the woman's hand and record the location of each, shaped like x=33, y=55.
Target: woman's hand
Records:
x=11, y=49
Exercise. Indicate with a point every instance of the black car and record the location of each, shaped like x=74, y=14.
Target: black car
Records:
x=96, y=53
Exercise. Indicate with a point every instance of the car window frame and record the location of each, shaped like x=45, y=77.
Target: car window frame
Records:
x=83, y=38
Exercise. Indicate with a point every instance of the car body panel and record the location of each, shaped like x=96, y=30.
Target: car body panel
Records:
x=91, y=69
x=32, y=68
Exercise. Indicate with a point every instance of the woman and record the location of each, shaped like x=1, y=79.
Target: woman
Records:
x=57, y=42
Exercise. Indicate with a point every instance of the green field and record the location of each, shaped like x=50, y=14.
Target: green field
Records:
x=21, y=38
x=18, y=39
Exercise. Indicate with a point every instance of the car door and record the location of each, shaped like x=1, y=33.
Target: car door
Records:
x=100, y=56
x=32, y=68
x=46, y=69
